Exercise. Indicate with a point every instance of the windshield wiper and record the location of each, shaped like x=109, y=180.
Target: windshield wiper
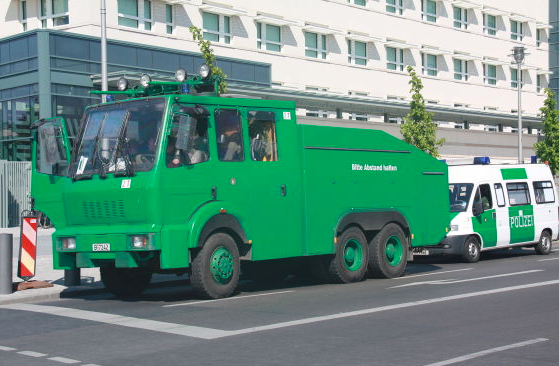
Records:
x=123, y=150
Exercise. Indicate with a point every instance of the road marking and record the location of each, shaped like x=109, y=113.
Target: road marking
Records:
x=63, y=360
x=227, y=299
x=432, y=273
x=209, y=333
x=4, y=348
x=548, y=259
x=487, y=352
x=451, y=281
x=32, y=354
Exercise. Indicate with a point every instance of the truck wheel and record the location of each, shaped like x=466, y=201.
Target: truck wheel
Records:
x=471, y=251
x=544, y=244
x=349, y=263
x=216, y=267
x=125, y=281
x=388, y=252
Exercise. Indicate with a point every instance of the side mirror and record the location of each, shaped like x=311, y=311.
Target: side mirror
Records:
x=477, y=208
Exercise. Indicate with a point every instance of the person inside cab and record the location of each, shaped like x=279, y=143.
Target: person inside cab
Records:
x=229, y=136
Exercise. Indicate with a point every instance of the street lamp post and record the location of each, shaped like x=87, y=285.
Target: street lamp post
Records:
x=104, y=81
x=518, y=55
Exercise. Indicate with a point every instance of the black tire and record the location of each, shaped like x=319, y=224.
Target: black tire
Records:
x=124, y=282
x=351, y=257
x=388, y=252
x=471, y=251
x=544, y=244
x=216, y=267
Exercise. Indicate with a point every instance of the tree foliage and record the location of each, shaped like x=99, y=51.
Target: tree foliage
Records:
x=208, y=54
x=418, y=128
x=547, y=149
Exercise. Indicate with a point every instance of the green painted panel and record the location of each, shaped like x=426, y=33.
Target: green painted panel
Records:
x=486, y=226
x=521, y=223
x=514, y=173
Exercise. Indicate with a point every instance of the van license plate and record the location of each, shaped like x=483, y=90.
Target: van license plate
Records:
x=420, y=251
x=104, y=247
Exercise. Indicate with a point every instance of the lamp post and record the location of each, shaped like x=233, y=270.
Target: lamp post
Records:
x=104, y=81
x=518, y=55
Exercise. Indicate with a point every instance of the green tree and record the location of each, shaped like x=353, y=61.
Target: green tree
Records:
x=547, y=149
x=418, y=128
x=208, y=54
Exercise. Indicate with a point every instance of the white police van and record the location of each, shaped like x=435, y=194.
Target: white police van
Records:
x=500, y=206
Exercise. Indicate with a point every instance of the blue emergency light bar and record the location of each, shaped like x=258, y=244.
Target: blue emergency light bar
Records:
x=482, y=160
x=534, y=159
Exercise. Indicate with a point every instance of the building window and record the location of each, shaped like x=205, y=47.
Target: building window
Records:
x=358, y=116
x=490, y=24
x=460, y=69
x=55, y=11
x=460, y=17
x=23, y=14
x=316, y=113
x=135, y=13
x=357, y=2
x=516, y=30
x=269, y=37
x=514, y=78
x=217, y=28
x=169, y=18
x=394, y=58
x=429, y=63
x=357, y=52
x=315, y=45
x=395, y=6
x=429, y=10
x=538, y=37
x=538, y=83
x=490, y=74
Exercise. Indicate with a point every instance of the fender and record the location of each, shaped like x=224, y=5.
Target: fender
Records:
x=372, y=220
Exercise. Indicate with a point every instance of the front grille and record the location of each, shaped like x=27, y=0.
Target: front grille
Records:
x=103, y=209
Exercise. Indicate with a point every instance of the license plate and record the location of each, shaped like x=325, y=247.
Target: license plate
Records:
x=104, y=247
x=420, y=251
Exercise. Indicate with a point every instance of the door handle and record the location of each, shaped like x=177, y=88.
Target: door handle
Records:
x=494, y=215
x=283, y=190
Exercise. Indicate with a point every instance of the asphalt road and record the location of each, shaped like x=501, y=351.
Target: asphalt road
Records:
x=503, y=310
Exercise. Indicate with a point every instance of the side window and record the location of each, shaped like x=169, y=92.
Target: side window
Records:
x=500, y=195
x=518, y=194
x=544, y=192
x=229, y=135
x=262, y=133
x=486, y=200
x=188, y=142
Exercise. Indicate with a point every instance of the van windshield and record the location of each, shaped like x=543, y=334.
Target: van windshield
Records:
x=460, y=196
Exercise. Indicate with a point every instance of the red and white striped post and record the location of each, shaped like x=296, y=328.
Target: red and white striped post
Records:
x=28, y=248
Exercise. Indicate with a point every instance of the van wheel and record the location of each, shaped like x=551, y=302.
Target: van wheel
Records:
x=216, y=267
x=471, y=251
x=544, y=244
x=349, y=263
x=388, y=252
x=125, y=282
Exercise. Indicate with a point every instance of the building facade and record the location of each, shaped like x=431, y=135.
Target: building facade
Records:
x=338, y=59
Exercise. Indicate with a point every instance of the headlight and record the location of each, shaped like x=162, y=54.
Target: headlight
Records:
x=454, y=227
x=68, y=243
x=139, y=241
x=180, y=75
x=205, y=71
x=122, y=84
x=145, y=79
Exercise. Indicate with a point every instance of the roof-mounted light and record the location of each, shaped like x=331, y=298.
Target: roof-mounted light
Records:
x=482, y=160
x=122, y=84
x=145, y=79
x=181, y=75
x=205, y=71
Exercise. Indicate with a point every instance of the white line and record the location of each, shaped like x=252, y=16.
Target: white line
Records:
x=209, y=333
x=431, y=274
x=487, y=352
x=446, y=282
x=548, y=259
x=229, y=298
x=32, y=354
x=63, y=360
x=4, y=348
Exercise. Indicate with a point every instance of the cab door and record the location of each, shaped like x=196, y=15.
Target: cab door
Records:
x=485, y=224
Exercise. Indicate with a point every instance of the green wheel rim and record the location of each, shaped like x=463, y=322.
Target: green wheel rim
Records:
x=353, y=255
x=394, y=251
x=222, y=265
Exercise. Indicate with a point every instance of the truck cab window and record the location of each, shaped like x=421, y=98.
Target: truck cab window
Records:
x=262, y=133
x=188, y=142
x=486, y=200
x=229, y=135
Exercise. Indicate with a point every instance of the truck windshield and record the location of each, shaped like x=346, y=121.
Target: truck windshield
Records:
x=119, y=138
x=460, y=196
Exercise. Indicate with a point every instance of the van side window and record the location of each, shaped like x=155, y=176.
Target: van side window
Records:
x=229, y=135
x=544, y=192
x=262, y=133
x=486, y=200
x=518, y=194
x=500, y=195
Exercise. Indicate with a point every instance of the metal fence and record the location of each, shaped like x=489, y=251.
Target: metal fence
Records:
x=15, y=184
